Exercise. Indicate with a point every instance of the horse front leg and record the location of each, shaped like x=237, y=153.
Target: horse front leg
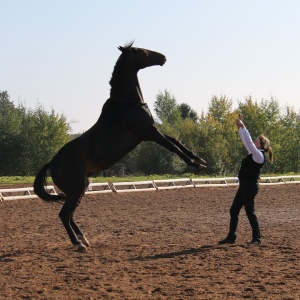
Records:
x=185, y=150
x=169, y=143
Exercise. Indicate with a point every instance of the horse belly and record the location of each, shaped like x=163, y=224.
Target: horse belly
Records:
x=107, y=152
x=94, y=151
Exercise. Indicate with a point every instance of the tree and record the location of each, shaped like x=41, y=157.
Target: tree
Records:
x=28, y=138
x=219, y=134
x=150, y=158
x=43, y=134
x=219, y=108
x=289, y=144
x=10, y=125
x=214, y=146
x=186, y=112
x=166, y=108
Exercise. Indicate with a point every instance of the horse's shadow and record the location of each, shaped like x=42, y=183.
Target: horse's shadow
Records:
x=190, y=251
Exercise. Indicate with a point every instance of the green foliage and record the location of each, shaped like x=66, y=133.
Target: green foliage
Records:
x=28, y=138
x=213, y=136
x=288, y=142
x=166, y=108
x=186, y=112
x=219, y=108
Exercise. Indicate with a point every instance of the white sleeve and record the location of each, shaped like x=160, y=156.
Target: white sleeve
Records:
x=257, y=155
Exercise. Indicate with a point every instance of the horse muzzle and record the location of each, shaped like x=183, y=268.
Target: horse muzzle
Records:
x=163, y=61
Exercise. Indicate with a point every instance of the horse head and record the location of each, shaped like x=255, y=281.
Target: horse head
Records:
x=142, y=58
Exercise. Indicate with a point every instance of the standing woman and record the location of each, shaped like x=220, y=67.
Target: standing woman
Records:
x=248, y=183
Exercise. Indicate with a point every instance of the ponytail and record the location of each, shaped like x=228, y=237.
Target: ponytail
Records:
x=265, y=144
x=270, y=154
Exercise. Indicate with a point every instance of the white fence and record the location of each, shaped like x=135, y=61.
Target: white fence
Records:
x=167, y=184
x=133, y=186
x=150, y=185
x=22, y=193
x=100, y=187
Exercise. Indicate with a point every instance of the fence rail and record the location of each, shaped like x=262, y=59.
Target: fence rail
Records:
x=22, y=193
x=150, y=185
x=167, y=184
x=134, y=186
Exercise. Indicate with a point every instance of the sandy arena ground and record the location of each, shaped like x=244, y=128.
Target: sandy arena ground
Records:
x=152, y=245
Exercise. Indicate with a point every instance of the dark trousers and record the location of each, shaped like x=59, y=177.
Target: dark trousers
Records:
x=245, y=196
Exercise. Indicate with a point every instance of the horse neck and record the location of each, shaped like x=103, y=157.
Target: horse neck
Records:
x=127, y=89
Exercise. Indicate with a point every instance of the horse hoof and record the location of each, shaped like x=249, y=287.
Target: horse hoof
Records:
x=201, y=162
x=86, y=243
x=81, y=248
x=83, y=240
x=201, y=167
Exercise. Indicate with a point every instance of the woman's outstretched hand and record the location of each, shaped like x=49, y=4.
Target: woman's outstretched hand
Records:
x=239, y=123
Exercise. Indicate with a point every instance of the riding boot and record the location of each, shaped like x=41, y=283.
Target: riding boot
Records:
x=230, y=239
x=231, y=236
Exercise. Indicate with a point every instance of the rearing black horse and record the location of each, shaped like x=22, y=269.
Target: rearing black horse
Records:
x=125, y=121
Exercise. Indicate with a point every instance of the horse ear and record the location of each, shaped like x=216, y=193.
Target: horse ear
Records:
x=130, y=44
x=126, y=46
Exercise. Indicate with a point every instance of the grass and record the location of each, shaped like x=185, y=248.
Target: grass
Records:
x=29, y=179
x=16, y=179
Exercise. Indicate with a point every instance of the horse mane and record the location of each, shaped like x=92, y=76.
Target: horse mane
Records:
x=119, y=64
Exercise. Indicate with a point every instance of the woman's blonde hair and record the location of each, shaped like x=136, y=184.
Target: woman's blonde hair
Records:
x=265, y=144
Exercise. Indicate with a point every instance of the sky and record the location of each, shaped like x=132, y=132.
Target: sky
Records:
x=61, y=53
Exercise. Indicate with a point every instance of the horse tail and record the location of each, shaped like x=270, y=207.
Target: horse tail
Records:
x=40, y=183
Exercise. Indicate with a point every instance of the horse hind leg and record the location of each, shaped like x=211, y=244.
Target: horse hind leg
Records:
x=80, y=235
x=66, y=216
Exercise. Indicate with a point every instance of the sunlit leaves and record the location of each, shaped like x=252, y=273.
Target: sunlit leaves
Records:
x=28, y=137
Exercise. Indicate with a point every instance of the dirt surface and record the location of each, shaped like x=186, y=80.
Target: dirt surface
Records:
x=152, y=245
